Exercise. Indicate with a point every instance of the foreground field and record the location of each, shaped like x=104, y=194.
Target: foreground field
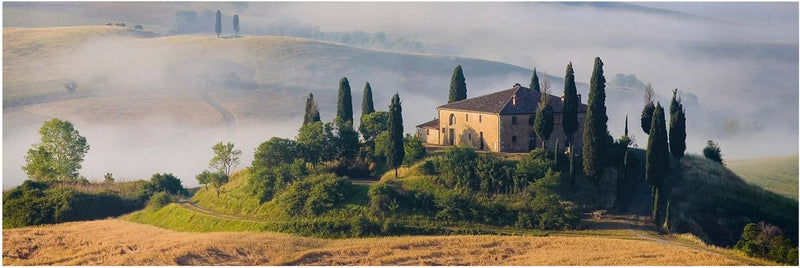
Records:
x=117, y=242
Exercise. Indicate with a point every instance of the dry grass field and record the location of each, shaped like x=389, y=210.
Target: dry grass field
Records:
x=117, y=242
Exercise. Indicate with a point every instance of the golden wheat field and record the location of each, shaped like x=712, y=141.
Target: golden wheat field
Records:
x=118, y=242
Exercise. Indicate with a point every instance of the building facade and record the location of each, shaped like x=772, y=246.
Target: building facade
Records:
x=498, y=122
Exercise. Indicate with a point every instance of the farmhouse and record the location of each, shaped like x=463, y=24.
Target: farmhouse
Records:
x=498, y=122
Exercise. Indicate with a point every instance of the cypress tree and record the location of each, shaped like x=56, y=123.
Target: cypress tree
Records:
x=657, y=158
x=595, y=130
x=674, y=103
x=626, y=125
x=677, y=133
x=535, y=81
x=396, y=150
x=344, y=107
x=366, y=103
x=236, y=24
x=647, y=111
x=310, y=109
x=569, y=115
x=458, y=86
x=543, y=124
x=218, y=24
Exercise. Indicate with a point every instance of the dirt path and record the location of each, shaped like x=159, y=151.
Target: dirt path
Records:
x=191, y=205
x=227, y=116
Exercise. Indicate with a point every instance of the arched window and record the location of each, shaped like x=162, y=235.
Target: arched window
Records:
x=452, y=119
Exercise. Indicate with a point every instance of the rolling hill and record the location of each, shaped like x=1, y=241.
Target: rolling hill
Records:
x=776, y=174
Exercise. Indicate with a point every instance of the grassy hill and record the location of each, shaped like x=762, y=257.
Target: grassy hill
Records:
x=776, y=174
x=132, y=75
x=116, y=242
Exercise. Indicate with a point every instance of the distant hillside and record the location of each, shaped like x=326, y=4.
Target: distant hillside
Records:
x=776, y=174
x=120, y=70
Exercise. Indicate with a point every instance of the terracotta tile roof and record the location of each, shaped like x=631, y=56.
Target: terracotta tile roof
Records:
x=430, y=124
x=503, y=102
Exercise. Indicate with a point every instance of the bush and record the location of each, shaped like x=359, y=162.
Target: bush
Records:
x=138, y=27
x=382, y=199
x=414, y=150
x=168, y=183
x=266, y=183
x=713, y=152
x=428, y=168
x=766, y=241
x=158, y=201
x=495, y=176
x=314, y=195
x=457, y=168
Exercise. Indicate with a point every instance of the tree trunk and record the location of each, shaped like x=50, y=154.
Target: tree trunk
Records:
x=218, y=191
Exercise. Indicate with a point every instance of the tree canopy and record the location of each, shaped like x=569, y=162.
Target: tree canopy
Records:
x=535, y=81
x=58, y=155
x=344, y=106
x=366, y=103
x=677, y=127
x=569, y=118
x=312, y=111
x=225, y=159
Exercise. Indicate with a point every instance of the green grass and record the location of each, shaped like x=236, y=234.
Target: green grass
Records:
x=177, y=218
x=775, y=174
x=236, y=199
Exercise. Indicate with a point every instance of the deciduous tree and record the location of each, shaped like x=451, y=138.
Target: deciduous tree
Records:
x=225, y=159
x=59, y=154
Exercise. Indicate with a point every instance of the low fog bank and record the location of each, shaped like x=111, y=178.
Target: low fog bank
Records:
x=137, y=152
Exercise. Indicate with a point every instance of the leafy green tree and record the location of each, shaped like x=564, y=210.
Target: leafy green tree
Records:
x=595, y=130
x=274, y=152
x=649, y=107
x=372, y=124
x=657, y=159
x=218, y=24
x=713, y=152
x=58, y=156
x=216, y=179
x=457, y=168
x=535, y=81
x=396, y=150
x=569, y=116
x=71, y=86
x=236, y=25
x=311, y=140
x=312, y=112
x=225, y=159
x=458, y=86
x=346, y=143
x=414, y=150
x=677, y=127
x=344, y=106
x=167, y=183
x=366, y=103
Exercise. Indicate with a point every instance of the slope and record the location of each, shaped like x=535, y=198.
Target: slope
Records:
x=776, y=174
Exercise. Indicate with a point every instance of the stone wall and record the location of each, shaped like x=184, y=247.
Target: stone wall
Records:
x=468, y=127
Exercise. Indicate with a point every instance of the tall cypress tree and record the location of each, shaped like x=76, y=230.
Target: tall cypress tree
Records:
x=366, y=102
x=657, y=159
x=535, y=81
x=236, y=25
x=344, y=107
x=543, y=124
x=626, y=125
x=396, y=150
x=218, y=24
x=595, y=130
x=312, y=114
x=458, y=86
x=569, y=116
x=677, y=127
x=649, y=107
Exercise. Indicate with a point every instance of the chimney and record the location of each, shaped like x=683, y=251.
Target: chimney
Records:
x=516, y=85
x=514, y=99
x=562, y=97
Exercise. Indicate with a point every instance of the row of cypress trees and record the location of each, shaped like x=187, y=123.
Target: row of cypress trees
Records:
x=344, y=122
x=218, y=24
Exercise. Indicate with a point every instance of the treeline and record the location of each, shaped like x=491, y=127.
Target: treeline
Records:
x=35, y=203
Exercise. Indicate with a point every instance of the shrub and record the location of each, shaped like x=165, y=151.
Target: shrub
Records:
x=428, y=168
x=457, y=168
x=158, y=201
x=138, y=27
x=764, y=240
x=414, y=150
x=713, y=152
x=314, y=195
x=382, y=199
x=495, y=176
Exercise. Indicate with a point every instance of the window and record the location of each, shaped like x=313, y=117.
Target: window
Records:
x=466, y=117
x=443, y=130
x=452, y=119
x=530, y=120
x=514, y=139
x=481, y=137
x=428, y=131
x=470, y=136
x=514, y=120
x=479, y=118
